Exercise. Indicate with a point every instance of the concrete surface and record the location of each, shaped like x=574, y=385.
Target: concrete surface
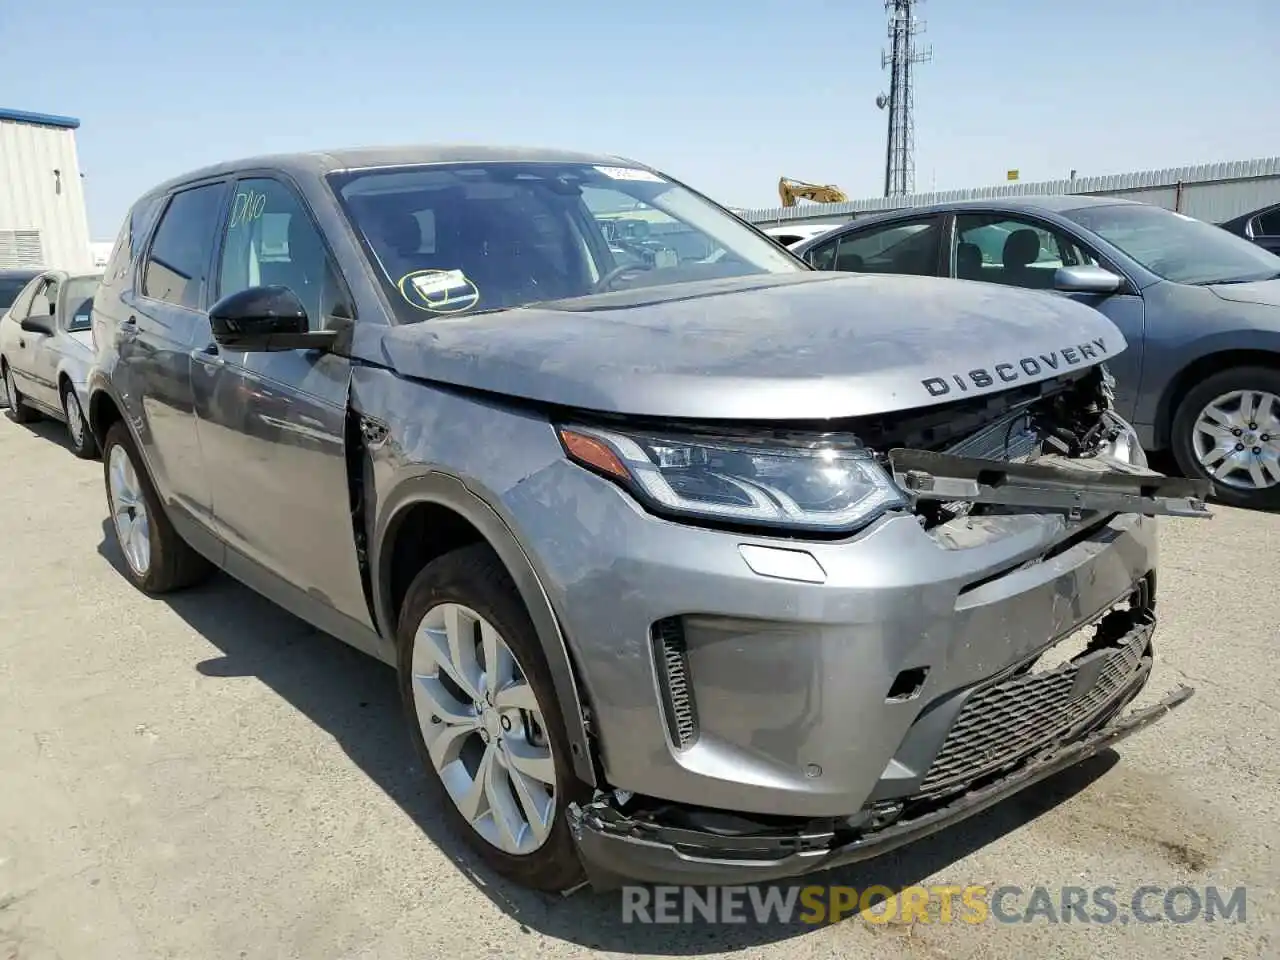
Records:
x=205, y=776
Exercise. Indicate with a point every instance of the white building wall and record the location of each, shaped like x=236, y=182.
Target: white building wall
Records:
x=41, y=190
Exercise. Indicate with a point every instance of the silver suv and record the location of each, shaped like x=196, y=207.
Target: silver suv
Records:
x=694, y=562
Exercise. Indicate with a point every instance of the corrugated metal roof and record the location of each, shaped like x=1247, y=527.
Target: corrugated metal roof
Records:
x=40, y=119
x=1116, y=182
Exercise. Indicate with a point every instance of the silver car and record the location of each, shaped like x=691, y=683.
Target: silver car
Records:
x=687, y=569
x=46, y=346
x=1200, y=309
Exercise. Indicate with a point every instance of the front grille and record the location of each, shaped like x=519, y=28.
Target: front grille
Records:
x=1006, y=721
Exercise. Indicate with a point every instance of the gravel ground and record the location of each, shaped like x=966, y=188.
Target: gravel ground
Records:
x=206, y=776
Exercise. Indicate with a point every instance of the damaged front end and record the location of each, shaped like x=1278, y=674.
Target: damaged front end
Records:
x=1051, y=456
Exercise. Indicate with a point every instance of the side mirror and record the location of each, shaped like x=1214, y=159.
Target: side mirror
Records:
x=38, y=324
x=1086, y=279
x=263, y=319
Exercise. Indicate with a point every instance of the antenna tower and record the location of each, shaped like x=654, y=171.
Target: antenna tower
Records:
x=899, y=163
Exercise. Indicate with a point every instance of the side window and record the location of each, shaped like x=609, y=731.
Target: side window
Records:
x=271, y=240
x=128, y=245
x=175, y=266
x=823, y=256
x=1020, y=253
x=909, y=246
x=21, y=307
x=1268, y=224
x=46, y=298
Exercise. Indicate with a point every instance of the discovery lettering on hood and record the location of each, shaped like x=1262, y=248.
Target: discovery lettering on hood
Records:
x=1010, y=372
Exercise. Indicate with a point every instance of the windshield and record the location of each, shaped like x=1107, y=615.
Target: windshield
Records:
x=78, y=296
x=463, y=238
x=1177, y=247
x=10, y=287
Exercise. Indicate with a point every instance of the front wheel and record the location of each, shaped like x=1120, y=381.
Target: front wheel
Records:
x=1227, y=430
x=83, y=444
x=485, y=720
x=157, y=560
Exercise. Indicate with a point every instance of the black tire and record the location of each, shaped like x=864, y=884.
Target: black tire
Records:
x=86, y=447
x=173, y=563
x=475, y=577
x=19, y=411
x=1193, y=402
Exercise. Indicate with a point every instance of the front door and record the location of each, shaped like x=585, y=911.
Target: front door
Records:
x=1026, y=252
x=34, y=363
x=273, y=425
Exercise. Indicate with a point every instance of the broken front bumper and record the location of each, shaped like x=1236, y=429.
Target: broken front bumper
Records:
x=616, y=848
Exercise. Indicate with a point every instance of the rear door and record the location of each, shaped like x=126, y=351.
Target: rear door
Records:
x=156, y=334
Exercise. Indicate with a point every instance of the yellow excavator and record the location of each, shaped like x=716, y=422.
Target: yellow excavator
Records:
x=792, y=190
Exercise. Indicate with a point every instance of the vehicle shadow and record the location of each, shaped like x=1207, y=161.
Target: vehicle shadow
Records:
x=354, y=698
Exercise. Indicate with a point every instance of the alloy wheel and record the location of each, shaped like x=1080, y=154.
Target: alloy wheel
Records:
x=129, y=511
x=1236, y=439
x=10, y=389
x=483, y=728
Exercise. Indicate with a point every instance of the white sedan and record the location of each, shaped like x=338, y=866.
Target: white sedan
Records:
x=46, y=346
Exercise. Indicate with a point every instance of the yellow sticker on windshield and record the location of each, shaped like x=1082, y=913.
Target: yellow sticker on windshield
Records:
x=440, y=291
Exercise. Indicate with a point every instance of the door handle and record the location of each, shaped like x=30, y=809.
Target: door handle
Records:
x=208, y=355
x=129, y=328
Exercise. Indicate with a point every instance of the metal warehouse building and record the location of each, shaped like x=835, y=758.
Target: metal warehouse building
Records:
x=42, y=214
x=1214, y=192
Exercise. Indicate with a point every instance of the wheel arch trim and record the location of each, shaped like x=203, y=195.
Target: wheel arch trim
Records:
x=446, y=490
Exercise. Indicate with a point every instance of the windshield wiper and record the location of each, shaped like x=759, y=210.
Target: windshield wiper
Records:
x=1231, y=280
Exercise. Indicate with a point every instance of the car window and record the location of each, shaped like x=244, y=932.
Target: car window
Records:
x=21, y=305
x=1268, y=224
x=1176, y=247
x=128, y=245
x=178, y=259
x=9, y=290
x=1016, y=251
x=452, y=239
x=43, y=303
x=271, y=240
x=900, y=247
x=78, y=297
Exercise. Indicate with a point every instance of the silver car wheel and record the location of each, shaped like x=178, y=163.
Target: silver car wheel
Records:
x=129, y=511
x=483, y=728
x=1236, y=439
x=75, y=417
x=10, y=388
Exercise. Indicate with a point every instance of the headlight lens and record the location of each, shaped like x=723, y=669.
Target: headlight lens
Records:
x=820, y=486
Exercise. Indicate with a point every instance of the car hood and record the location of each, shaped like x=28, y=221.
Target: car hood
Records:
x=1263, y=292
x=778, y=347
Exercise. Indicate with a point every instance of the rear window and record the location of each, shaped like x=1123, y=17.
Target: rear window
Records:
x=10, y=287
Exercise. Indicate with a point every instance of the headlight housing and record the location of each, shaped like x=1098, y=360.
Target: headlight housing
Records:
x=817, y=485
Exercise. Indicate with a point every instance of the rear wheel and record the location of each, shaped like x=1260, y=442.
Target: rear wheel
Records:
x=18, y=408
x=82, y=443
x=485, y=720
x=1227, y=430
x=156, y=559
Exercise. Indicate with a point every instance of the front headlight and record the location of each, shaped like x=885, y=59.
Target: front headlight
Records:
x=822, y=485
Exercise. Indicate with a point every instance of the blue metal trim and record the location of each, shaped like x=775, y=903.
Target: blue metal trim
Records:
x=43, y=119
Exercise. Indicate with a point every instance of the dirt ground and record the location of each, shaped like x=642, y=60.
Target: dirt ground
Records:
x=206, y=776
